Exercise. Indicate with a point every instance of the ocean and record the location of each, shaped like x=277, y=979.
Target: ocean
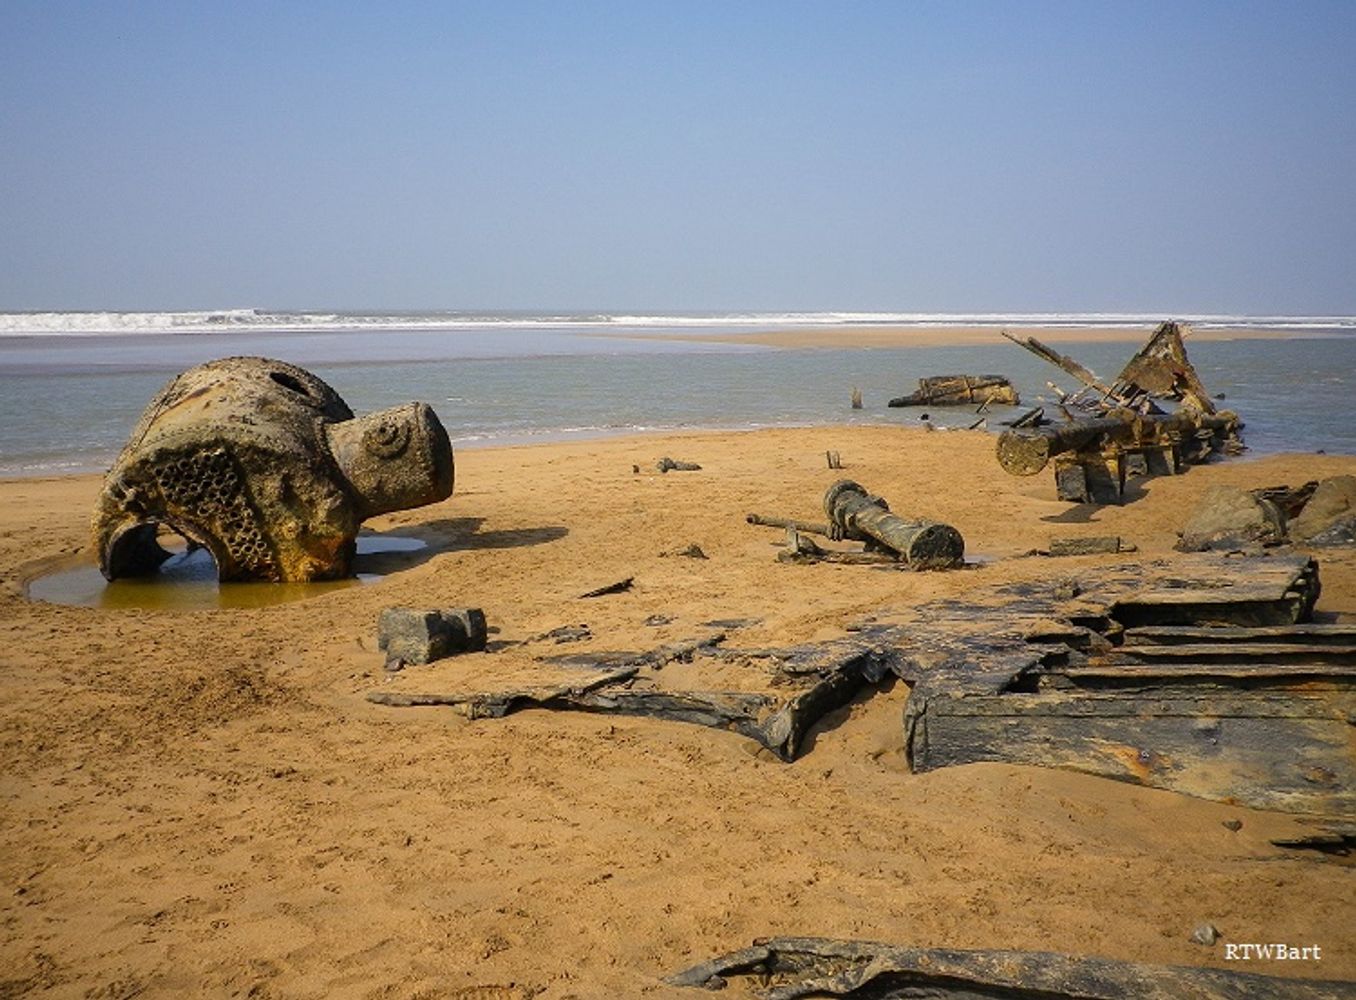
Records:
x=72, y=384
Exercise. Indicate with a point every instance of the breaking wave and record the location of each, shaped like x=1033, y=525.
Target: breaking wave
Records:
x=226, y=320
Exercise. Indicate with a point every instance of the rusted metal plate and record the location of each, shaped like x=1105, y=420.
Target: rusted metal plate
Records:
x=1023, y=673
x=788, y=968
x=1265, y=749
x=1257, y=716
x=1310, y=634
x=782, y=693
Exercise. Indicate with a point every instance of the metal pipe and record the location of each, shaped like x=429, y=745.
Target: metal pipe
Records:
x=923, y=544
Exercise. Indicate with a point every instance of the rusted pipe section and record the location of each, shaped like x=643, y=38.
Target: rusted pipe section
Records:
x=854, y=513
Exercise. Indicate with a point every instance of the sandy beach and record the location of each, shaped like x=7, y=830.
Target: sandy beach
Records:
x=204, y=802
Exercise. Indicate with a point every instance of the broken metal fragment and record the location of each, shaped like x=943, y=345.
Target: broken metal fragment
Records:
x=414, y=635
x=1206, y=684
x=957, y=390
x=800, y=549
x=820, y=678
x=1228, y=518
x=788, y=968
x=565, y=633
x=611, y=588
x=667, y=464
x=1197, y=674
x=264, y=465
x=1088, y=546
x=812, y=527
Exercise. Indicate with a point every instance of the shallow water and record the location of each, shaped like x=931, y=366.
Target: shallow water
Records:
x=68, y=403
x=187, y=581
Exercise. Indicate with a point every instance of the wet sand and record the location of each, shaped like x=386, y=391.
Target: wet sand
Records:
x=204, y=803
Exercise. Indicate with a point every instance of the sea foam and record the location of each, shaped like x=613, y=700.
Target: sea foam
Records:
x=225, y=320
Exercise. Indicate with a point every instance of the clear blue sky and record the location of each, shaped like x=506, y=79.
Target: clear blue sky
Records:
x=1164, y=157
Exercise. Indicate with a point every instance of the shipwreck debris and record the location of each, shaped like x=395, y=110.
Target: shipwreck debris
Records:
x=856, y=515
x=800, y=549
x=1229, y=518
x=689, y=551
x=1100, y=544
x=1205, y=678
x=1314, y=514
x=1034, y=417
x=803, y=684
x=853, y=513
x=264, y=465
x=667, y=464
x=1118, y=430
x=1200, y=674
x=414, y=635
x=565, y=633
x=957, y=390
x=618, y=587
x=787, y=968
x=1328, y=516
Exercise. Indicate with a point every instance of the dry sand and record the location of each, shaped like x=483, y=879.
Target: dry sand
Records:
x=204, y=804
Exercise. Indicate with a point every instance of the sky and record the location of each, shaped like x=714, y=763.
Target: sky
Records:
x=1156, y=157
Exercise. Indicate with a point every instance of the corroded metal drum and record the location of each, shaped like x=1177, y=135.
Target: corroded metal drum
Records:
x=266, y=466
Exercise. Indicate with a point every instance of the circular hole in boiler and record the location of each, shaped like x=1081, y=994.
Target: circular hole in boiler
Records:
x=187, y=580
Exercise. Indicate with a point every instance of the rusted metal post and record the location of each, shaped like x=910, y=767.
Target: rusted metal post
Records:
x=854, y=513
